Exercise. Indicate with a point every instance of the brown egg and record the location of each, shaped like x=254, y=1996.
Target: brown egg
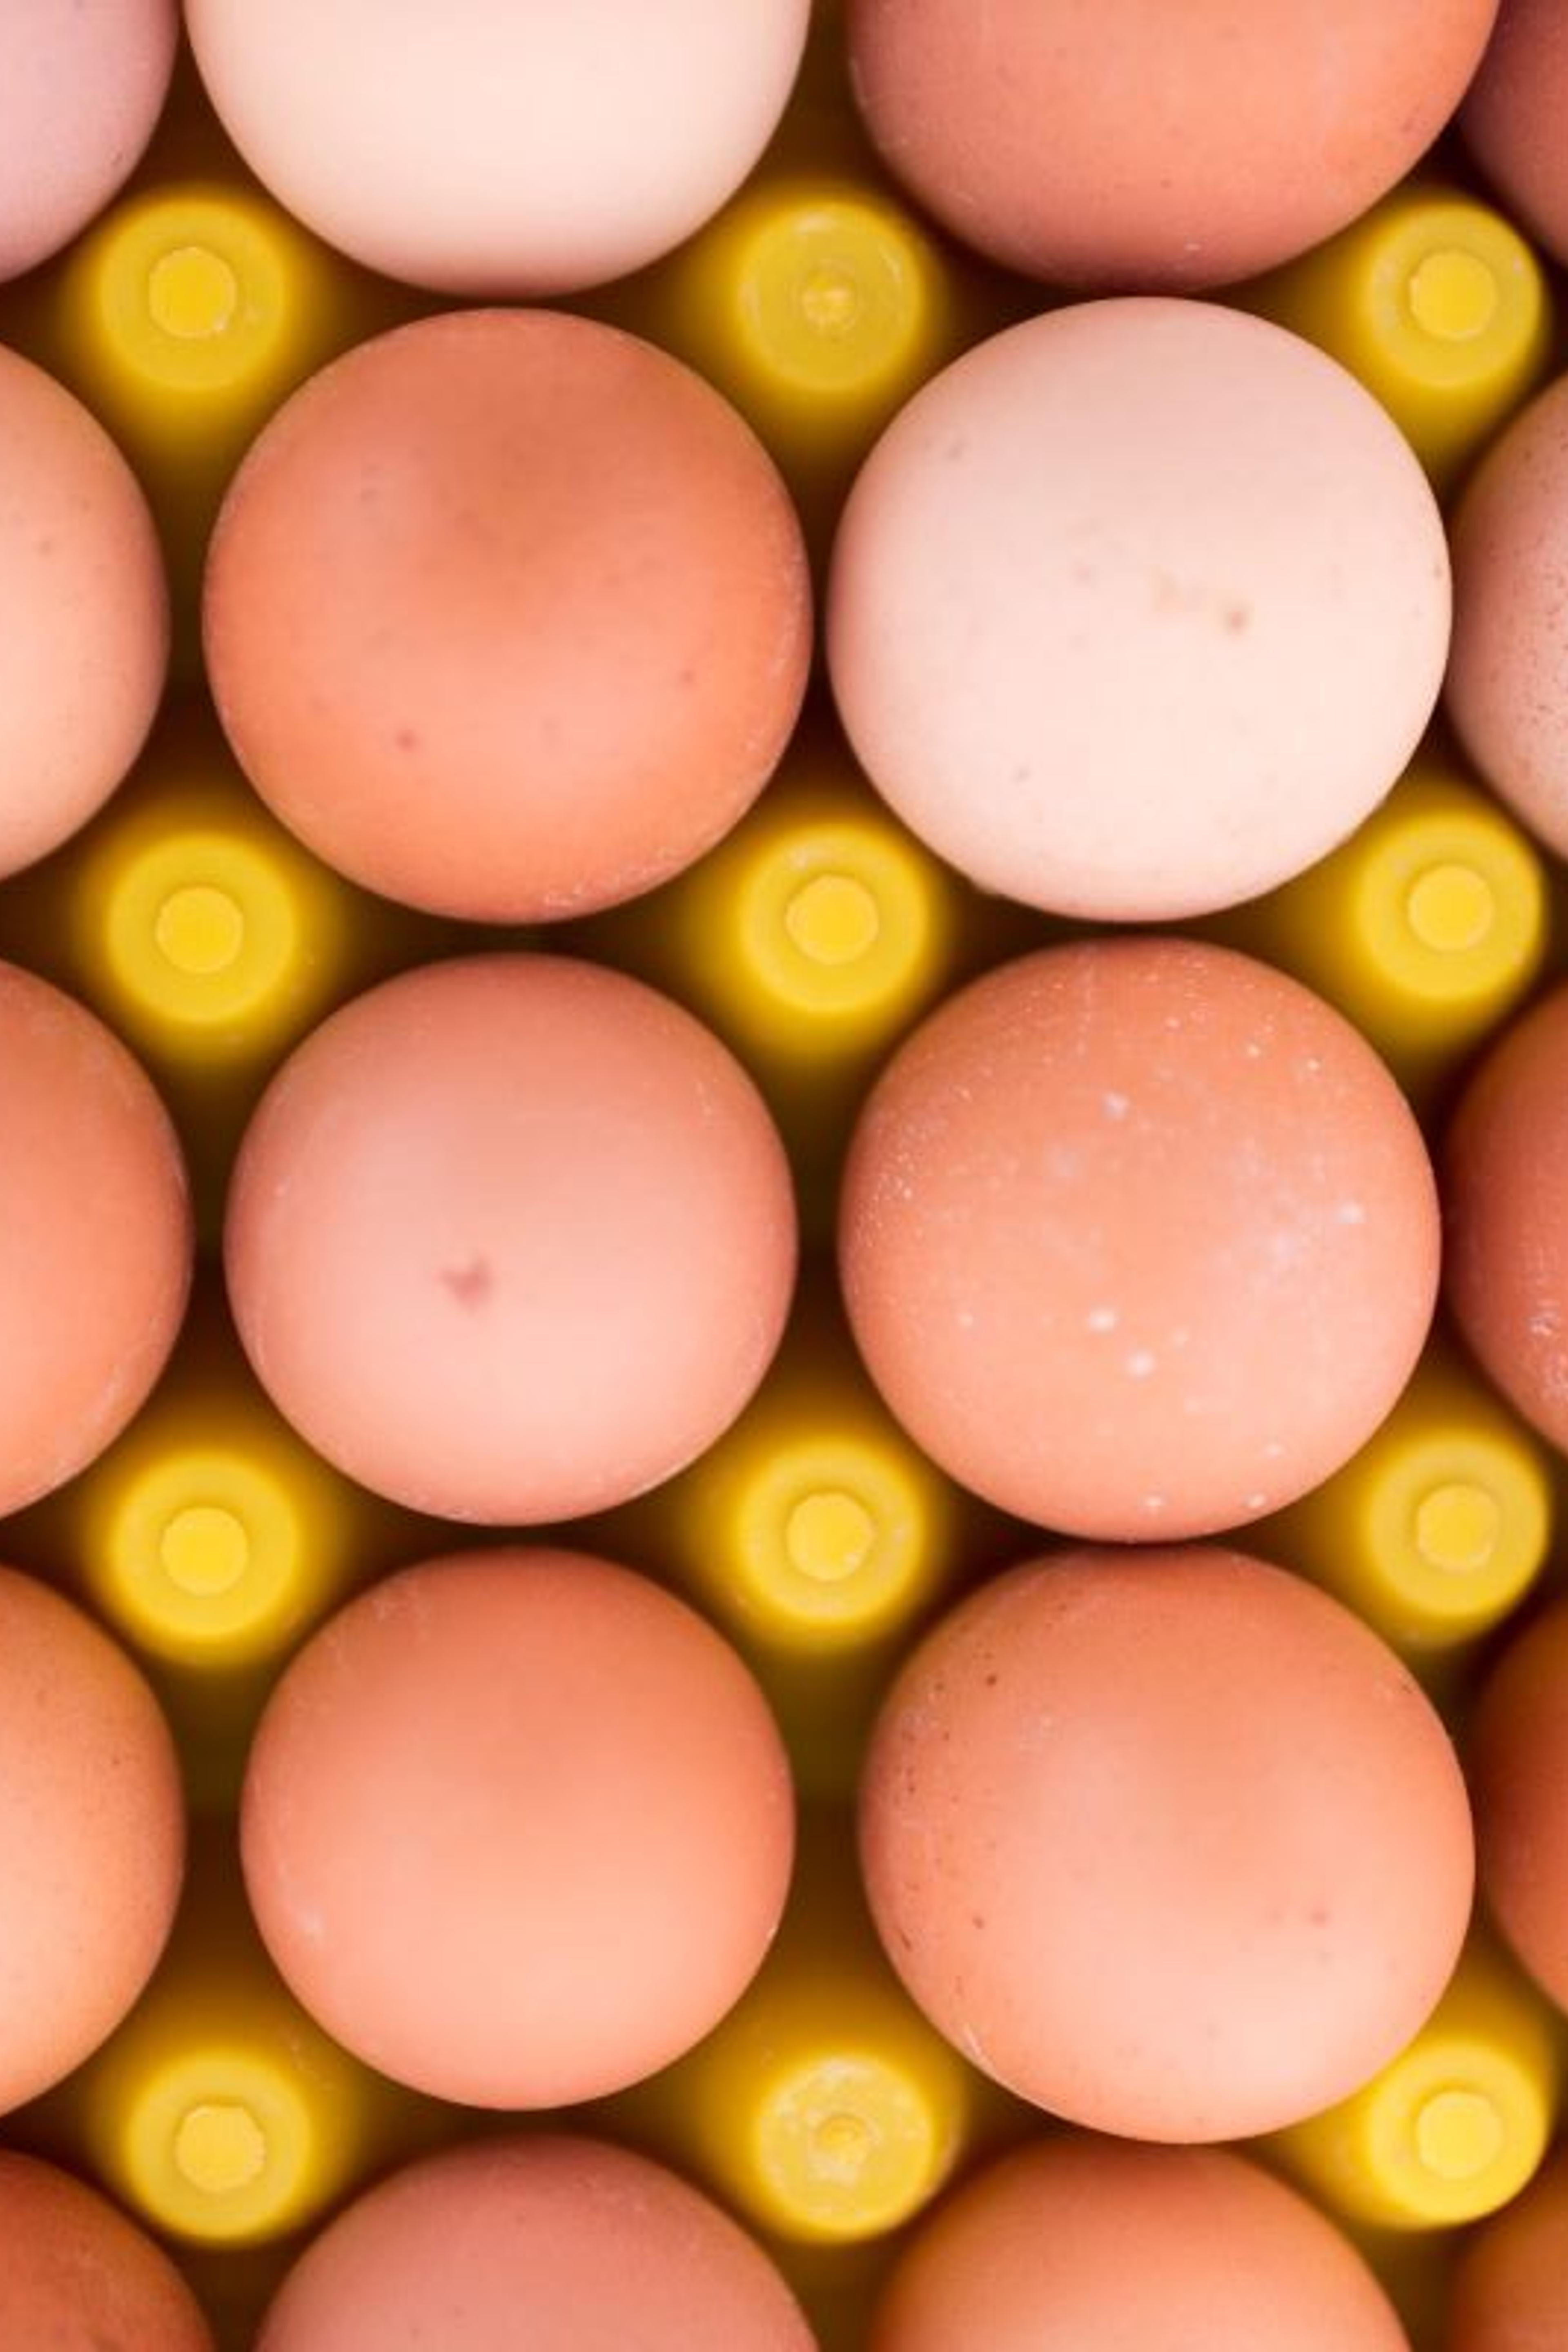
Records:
x=1508, y=2294
x=1105, y=2249
x=95, y=1238
x=517, y=1827
x=1518, y=1778
x=511, y=1238
x=1138, y=144
x=91, y=1838
x=1169, y=1842
x=1138, y=1238
x=84, y=620
x=563, y=2245
x=1506, y=1236
x=1507, y=688
x=76, y=2276
x=506, y=614
x=1512, y=118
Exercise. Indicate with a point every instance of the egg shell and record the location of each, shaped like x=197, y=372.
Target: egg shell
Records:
x=84, y=621
x=1168, y=1843
x=1507, y=2292
x=1138, y=1238
x=81, y=89
x=1074, y=2242
x=569, y=2245
x=91, y=1838
x=1131, y=144
x=1518, y=1758
x=517, y=1827
x=511, y=1238
x=1507, y=689
x=77, y=2276
x=1506, y=1240
x=95, y=1238
x=1514, y=113
x=486, y=149
x=1138, y=609
x=506, y=614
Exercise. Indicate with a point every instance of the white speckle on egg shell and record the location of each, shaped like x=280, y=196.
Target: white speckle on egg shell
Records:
x=1161, y=1318
x=1138, y=609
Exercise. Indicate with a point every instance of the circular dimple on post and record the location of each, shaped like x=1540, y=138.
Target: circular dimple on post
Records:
x=200, y=930
x=841, y=2145
x=1458, y=2134
x=204, y=1550
x=1456, y=1528
x=1453, y=295
x=829, y=1537
x=1451, y=908
x=192, y=293
x=832, y=918
x=831, y=299
x=219, y=2148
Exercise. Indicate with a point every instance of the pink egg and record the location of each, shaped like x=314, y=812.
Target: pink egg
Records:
x=1518, y=1773
x=1142, y=143
x=77, y=2277
x=563, y=2245
x=81, y=89
x=1168, y=1843
x=91, y=1841
x=1507, y=688
x=84, y=623
x=511, y=1238
x=1138, y=1238
x=95, y=1238
x=1103, y=2249
x=517, y=1827
x=506, y=614
x=1506, y=1237
x=1138, y=609
x=487, y=149
x=1512, y=118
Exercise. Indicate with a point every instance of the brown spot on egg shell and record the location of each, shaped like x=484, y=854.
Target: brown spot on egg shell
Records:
x=1093, y=1239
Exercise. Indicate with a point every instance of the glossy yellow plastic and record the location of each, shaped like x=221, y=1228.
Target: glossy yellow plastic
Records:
x=1437, y=304
x=1426, y=928
x=1439, y=1526
x=1455, y=2126
x=218, y=2111
x=824, y=2107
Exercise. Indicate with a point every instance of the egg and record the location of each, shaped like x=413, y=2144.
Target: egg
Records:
x=1506, y=1254
x=1137, y=144
x=1168, y=1843
x=517, y=1827
x=1507, y=689
x=523, y=149
x=95, y=1238
x=1512, y=116
x=1138, y=609
x=1107, y=2248
x=565, y=2244
x=78, y=2277
x=1507, y=2292
x=92, y=1840
x=511, y=1238
x=1518, y=1760
x=81, y=89
x=84, y=618
x=507, y=615
x=1138, y=1238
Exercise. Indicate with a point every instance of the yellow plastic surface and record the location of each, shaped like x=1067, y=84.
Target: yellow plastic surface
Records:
x=1437, y=304
x=824, y=2107
x=1455, y=2126
x=1426, y=928
x=1439, y=1527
